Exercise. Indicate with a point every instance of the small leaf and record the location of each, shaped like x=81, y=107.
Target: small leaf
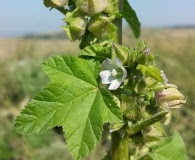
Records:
x=131, y=18
x=172, y=148
x=72, y=100
x=98, y=51
x=151, y=71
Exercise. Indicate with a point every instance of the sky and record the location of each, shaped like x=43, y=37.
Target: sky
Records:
x=31, y=16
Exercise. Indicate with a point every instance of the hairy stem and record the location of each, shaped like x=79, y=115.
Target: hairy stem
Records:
x=145, y=123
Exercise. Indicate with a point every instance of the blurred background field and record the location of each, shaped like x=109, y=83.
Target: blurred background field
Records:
x=21, y=77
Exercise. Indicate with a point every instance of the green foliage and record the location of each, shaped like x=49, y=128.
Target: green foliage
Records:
x=171, y=148
x=78, y=97
x=97, y=51
x=169, y=57
x=151, y=71
x=73, y=91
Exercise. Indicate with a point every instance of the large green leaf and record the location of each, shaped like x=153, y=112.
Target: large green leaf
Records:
x=131, y=18
x=72, y=100
x=172, y=148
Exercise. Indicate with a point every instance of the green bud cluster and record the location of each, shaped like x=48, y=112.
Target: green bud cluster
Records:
x=146, y=98
x=87, y=18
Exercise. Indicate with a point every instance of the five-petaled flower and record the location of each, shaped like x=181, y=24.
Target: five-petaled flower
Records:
x=114, y=74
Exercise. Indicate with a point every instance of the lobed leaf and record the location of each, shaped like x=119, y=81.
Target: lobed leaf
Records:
x=72, y=100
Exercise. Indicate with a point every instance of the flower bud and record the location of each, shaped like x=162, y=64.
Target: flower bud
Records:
x=92, y=6
x=76, y=24
x=55, y=3
x=170, y=98
x=101, y=26
x=112, y=7
x=153, y=134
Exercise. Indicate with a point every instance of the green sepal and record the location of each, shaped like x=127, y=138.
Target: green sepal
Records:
x=153, y=134
x=112, y=7
x=102, y=27
x=76, y=24
x=121, y=52
x=130, y=108
x=151, y=71
x=87, y=39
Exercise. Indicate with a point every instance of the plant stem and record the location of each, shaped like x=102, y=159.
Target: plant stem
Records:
x=119, y=144
x=118, y=23
x=145, y=123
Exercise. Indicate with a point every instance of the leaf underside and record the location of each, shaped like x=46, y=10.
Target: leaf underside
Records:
x=71, y=100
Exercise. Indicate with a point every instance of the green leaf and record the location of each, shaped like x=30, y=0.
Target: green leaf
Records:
x=97, y=51
x=72, y=100
x=172, y=148
x=151, y=71
x=131, y=18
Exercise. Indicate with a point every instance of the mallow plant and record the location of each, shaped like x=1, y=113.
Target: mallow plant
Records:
x=107, y=85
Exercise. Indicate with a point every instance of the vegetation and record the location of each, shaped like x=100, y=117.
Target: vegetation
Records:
x=22, y=77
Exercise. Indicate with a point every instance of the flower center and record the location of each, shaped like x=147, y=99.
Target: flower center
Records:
x=114, y=72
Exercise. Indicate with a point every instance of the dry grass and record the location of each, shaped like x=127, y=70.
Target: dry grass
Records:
x=17, y=47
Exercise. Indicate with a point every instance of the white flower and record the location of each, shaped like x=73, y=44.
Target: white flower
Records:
x=114, y=74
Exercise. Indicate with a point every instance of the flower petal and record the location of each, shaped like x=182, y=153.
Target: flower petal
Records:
x=105, y=77
x=115, y=73
x=109, y=64
x=114, y=85
x=118, y=63
x=124, y=74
